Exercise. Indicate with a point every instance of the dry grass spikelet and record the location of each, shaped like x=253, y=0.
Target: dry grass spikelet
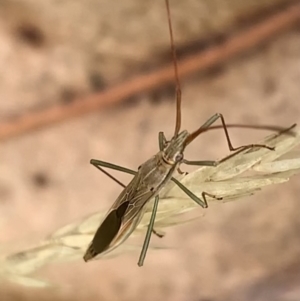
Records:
x=240, y=175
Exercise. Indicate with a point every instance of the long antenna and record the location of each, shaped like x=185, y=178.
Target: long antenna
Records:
x=178, y=88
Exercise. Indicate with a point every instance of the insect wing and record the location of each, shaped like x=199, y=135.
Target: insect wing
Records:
x=122, y=218
x=106, y=232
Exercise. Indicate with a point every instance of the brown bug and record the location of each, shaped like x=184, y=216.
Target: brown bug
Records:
x=128, y=209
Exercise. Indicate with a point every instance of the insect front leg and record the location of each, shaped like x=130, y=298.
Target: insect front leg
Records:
x=239, y=149
x=212, y=120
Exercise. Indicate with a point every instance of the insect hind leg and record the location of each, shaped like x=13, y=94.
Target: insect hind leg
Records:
x=205, y=194
x=150, y=230
x=158, y=233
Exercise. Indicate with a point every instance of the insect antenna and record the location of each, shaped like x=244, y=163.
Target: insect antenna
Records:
x=273, y=128
x=178, y=88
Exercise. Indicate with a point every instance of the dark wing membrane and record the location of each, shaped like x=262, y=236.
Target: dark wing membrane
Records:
x=106, y=232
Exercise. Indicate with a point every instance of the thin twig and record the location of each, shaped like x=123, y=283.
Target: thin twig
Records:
x=239, y=43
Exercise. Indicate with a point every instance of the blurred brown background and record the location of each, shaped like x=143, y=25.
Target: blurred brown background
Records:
x=54, y=51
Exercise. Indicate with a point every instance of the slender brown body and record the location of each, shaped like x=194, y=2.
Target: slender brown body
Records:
x=128, y=209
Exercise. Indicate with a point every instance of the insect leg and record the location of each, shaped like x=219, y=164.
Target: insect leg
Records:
x=200, y=163
x=149, y=232
x=212, y=120
x=98, y=163
x=202, y=203
x=239, y=150
x=110, y=176
x=216, y=163
x=158, y=234
x=204, y=194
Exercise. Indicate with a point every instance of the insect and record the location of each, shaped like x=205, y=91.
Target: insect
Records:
x=128, y=209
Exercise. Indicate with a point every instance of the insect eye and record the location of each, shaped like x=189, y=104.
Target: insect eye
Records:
x=178, y=157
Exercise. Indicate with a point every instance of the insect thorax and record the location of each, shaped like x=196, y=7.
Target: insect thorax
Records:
x=173, y=151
